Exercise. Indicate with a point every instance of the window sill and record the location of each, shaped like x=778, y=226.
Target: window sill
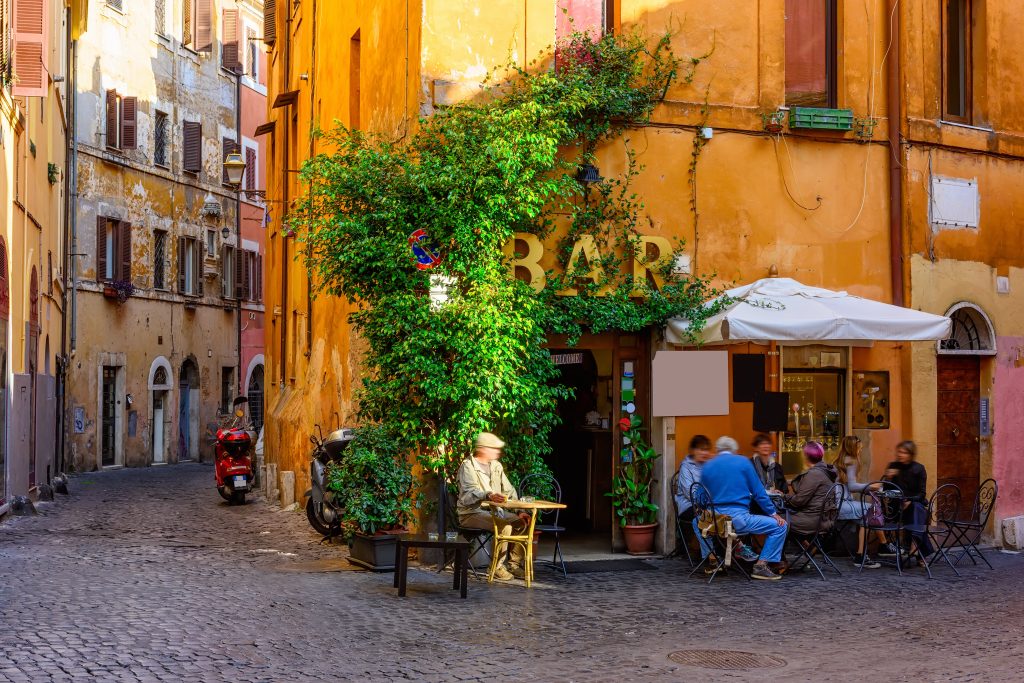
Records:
x=165, y=167
x=957, y=124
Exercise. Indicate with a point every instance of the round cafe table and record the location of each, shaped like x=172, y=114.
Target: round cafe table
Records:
x=525, y=540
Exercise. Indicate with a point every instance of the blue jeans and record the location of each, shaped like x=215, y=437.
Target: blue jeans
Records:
x=745, y=523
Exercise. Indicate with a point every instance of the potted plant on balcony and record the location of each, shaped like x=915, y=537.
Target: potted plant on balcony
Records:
x=631, y=489
x=118, y=290
x=372, y=485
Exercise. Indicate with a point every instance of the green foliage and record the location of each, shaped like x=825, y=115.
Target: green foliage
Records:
x=631, y=486
x=372, y=483
x=472, y=175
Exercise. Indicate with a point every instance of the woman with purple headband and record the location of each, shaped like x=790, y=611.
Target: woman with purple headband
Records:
x=810, y=490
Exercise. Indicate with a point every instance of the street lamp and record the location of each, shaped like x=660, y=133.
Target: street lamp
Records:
x=234, y=168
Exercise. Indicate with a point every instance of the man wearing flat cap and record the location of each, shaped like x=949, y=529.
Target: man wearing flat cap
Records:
x=481, y=477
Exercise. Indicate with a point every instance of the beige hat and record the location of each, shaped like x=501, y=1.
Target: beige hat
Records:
x=488, y=440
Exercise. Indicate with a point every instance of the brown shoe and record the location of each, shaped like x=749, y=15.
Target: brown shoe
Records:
x=780, y=567
x=502, y=574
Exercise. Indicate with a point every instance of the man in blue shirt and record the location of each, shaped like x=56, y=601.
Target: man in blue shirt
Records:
x=733, y=485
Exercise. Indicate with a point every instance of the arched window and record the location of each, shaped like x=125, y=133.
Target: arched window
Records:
x=160, y=377
x=972, y=332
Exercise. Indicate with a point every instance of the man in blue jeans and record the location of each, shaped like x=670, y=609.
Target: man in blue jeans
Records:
x=733, y=484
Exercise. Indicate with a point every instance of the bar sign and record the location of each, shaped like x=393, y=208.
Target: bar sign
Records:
x=985, y=427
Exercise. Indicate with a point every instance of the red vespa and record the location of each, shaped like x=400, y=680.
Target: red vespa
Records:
x=232, y=456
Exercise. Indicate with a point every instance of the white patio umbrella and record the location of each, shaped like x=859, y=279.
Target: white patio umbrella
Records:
x=791, y=313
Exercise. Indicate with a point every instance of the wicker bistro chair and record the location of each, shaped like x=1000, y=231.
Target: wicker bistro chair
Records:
x=967, y=533
x=542, y=486
x=943, y=507
x=810, y=544
x=885, y=514
x=680, y=526
x=716, y=528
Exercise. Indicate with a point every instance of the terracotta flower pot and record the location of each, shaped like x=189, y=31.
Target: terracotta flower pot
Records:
x=639, y=538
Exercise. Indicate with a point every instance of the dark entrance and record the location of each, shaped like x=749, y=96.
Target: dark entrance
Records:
x=581, y=457
x=957, y=424
x=108, y=452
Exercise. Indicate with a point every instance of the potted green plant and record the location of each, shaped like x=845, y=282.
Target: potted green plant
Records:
x=631, y=489
x=372, y=487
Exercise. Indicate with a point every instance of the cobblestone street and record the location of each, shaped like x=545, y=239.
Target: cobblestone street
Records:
x=146, y=575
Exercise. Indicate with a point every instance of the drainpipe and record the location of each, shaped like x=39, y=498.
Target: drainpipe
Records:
x=895, y=151
x=62, y=366
x=286, y=124
x=238, y=230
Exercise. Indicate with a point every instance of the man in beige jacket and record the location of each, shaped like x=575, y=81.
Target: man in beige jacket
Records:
x=481, y=477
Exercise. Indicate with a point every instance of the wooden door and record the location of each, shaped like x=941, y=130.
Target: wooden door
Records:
x=957, y=422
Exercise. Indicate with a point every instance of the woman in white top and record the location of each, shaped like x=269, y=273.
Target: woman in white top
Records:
x=848, y=466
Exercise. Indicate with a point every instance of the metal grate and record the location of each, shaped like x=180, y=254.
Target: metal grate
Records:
x=160, y=139
x=159, y=259
x=726, y=660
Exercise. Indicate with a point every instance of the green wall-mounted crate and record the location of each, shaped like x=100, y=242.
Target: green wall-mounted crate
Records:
x=826, y=119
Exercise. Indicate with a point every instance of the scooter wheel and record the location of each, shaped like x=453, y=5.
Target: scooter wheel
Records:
x=315, y=520
x=238, y=498
x=223, y=491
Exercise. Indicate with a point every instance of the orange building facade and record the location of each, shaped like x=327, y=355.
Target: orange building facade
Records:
x=773, y=185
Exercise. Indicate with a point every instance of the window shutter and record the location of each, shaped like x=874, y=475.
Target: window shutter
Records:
x=30, y=51
x=239, y=274
x=250, y=168
x=129, y=127
x=225, y=255
x=197, y=273
x=186, y=24
x=231, y=54
x=269, y=21
x=124, y=244
x=192, y=152
x=101, y=248
x=181, y=265
x=204, y=25
x=113, y=139
x=257, y=294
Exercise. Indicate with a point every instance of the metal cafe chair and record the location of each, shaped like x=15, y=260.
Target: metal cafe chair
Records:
x=882, y=512
x=967, y=533
x=716, y=528
x=544, y=486
x=478, y=539
x=680, y=525
x=809, y=544
x=943, y=507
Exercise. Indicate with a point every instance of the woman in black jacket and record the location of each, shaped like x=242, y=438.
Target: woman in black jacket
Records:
x=910, y=475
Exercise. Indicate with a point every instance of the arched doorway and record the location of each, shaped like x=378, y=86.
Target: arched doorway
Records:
x=254, y=392
x=188, y=411
x=160, y=375
x=5, y=309
x=958, y=382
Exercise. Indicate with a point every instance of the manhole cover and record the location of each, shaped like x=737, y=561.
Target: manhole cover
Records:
x=731, y=660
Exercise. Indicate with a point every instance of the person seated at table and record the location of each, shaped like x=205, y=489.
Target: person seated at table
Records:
x=769, y=471
x=810, y=491
x=848, y=466
x=482, y=478
x=689, y=474
x=912, y=478
x=733, y=485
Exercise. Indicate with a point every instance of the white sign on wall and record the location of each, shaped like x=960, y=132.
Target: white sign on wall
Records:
x=954, y=202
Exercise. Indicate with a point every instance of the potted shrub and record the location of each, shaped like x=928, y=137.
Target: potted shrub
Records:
x=372, y=485
x=631, y=490
x=118, y=290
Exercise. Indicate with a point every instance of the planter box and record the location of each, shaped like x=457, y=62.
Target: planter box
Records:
x=376, y=553
x=821, y=119
x=110, y=293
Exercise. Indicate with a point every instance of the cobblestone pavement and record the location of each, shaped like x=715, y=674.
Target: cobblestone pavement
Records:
x=146, y=575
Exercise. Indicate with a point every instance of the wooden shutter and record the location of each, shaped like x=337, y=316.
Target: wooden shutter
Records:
x=101, y=248
x=231, y=55
x=124, y=249
x=250, y=168
x=197, y=271
x=186, y=23
x=269, y=21
x=30, y=48
x=181, y=265
x=257, y=294
x=129, y=126
x=192, y=152
x=239, y=276
x=204, y=25
x=113, y=120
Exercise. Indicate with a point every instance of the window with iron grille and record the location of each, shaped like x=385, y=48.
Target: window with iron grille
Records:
x=160, y=17
x=252, y=47
x=159, y=259
x=116, y=4
x=160, y=129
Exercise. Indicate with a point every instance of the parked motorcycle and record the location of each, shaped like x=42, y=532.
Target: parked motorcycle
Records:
x=233, y=454
x=323, y=516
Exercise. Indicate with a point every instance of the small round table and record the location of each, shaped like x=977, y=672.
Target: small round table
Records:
x=524, y=540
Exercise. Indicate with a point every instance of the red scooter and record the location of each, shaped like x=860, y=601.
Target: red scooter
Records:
x=232, y=455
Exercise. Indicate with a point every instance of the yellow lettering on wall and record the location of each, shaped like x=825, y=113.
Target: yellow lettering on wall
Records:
x=585, y=246
x=642, y=264
x=530, y=261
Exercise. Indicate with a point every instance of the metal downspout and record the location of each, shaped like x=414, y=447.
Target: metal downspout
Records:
x=895, y=152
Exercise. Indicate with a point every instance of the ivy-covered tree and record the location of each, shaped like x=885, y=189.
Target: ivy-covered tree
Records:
x=471, y=176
